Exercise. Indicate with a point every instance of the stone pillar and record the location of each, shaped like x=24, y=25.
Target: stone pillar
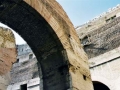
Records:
x=78, y=67
x=7, y=56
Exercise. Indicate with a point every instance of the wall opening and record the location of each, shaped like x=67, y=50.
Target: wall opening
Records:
x=26, y=66
x=84, y=77
x=17, y=60
x=23, y=87
x=99, y=86
x=42, y=39
x=30, y=56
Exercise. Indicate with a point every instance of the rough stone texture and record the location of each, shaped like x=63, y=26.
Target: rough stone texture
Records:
x=48, y=31
x=58, y=20
x=98, y=21
x=101, y=34
x=102, y=39
x=7, y=56
x=24, y=71
x=102, y=44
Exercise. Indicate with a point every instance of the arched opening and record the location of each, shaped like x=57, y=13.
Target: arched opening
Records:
x=99, y=86
x=52, y=38
x=24, y=72
x=42, y=39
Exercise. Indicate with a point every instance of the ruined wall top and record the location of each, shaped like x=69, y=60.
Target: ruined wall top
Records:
x=103, y=39
x=24, y=71
x=23, y=49
x=7, y=50
x=98, y=21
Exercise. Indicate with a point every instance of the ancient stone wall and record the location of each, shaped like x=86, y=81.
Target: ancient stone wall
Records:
x=7, y=56
x=48, y=31
x=24, y=71
x=107, y=71
x=102, y=45
x=98, y=21
x=64, y=29
x=102, y=39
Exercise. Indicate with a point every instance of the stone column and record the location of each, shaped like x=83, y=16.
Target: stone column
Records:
x=7, y=56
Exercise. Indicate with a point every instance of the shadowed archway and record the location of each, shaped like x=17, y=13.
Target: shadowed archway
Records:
x=52, y=37
x=99, y=86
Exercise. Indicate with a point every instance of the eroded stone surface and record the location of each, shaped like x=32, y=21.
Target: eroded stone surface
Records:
x=60, y=23
x=53, y=39
x=7, y=56
x=101, y=41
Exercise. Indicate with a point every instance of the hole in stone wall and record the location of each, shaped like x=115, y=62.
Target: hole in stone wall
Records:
x=30, y=56
x=85, y=41
x=84, y=77
x=23, y=87
x=17, y=60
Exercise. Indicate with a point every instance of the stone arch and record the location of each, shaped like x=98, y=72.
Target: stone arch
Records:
x=48, y=31
x=7, y=56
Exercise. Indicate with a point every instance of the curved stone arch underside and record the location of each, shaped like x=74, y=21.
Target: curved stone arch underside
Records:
x=102, y=80
x=7, y=56
x=100, y=86
x=46, y=28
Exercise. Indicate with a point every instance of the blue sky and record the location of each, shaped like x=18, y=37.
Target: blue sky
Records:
x=80, y=11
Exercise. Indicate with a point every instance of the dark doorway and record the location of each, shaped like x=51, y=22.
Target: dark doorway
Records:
x=99, y=86
x=23, y=87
